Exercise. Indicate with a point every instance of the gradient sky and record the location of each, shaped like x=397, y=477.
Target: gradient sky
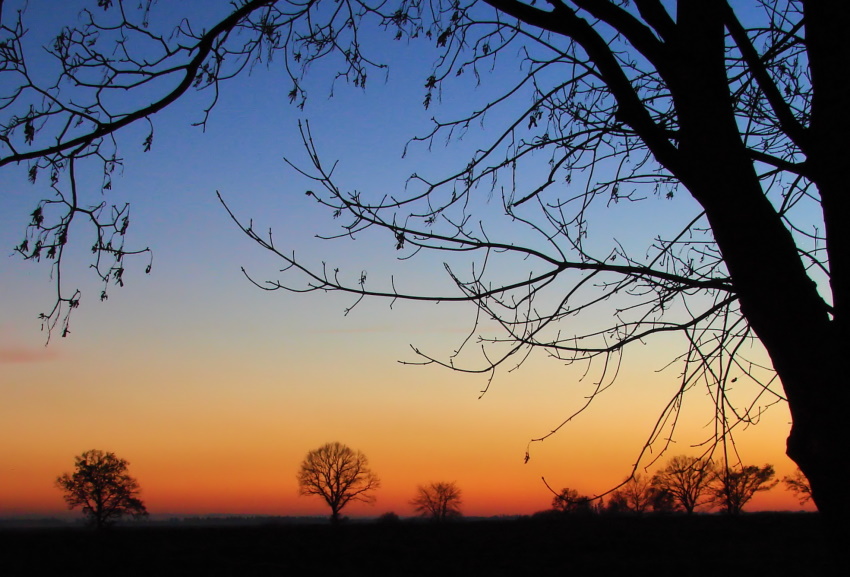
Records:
x=215, y=390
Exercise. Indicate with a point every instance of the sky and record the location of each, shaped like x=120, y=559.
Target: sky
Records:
x=215, y=390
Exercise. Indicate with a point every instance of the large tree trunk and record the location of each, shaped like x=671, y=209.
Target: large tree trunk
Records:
x=803, y=335
x=820, y=435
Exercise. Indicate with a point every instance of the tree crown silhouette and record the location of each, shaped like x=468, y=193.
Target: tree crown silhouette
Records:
x=338, y=475
x=101, y=485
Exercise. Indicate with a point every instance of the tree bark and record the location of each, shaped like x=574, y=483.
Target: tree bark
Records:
x=820, y=437
x=803, y=335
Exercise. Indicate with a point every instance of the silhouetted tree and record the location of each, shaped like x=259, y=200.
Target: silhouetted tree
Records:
x=571, y=502
x=617, y=503
x=662, y=501
x=686, y=480
x=389, y=517
x=338, y=475
x=635, y=496
x=733, y=487
x=101, y=485
x=799, y=485
x=439, y=501
x=734, y=111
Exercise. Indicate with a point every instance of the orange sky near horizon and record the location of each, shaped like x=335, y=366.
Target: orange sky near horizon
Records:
x=238, y=451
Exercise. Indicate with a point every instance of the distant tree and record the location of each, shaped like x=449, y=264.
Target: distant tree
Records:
x=389, y=517
x=638, y=492
x=571, y=502
x=101, y=486
x=635, y=496
x=439, y=501
x=799, y=485
x=617, y=503
x=339, y=475
x=662, y=501
x=686, y=480
x=732, y=488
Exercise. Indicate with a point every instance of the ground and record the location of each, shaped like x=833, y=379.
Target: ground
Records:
x=754, y=545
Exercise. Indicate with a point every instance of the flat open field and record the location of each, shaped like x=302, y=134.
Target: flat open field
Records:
x=754, y=545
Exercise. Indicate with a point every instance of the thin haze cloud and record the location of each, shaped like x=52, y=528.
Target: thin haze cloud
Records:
x=9, y=355
x=396, y=329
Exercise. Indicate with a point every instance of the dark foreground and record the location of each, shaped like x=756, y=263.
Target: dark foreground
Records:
x=755, y=545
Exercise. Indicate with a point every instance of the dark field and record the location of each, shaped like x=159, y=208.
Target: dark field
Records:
x=754, y=545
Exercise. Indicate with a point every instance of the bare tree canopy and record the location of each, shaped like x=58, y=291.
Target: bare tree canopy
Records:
x=739, y=108
x=734, y=486
x=636, y=495
x=570, y=501
x=439, y=501
x=338, y=475
x=687, y=480
x=101, y=485
x=799, y=485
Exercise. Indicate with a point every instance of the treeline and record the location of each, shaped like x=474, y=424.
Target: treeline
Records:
x=685, y=484
x=102, y=487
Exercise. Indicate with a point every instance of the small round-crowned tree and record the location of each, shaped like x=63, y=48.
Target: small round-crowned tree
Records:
x=101, y=486
x=439, y=501
x=339, y=475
